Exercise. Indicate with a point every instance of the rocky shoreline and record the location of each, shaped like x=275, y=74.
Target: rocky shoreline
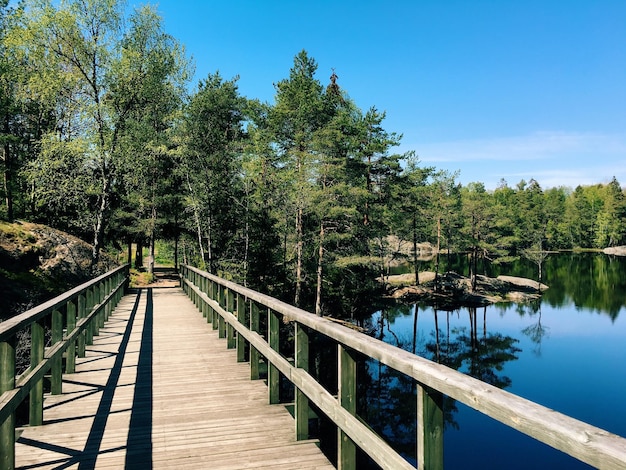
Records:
x=453, y=290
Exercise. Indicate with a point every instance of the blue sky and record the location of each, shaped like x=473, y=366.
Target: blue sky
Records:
x=495, y=89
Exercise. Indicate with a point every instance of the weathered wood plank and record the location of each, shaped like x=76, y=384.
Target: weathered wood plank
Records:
x=159, y=386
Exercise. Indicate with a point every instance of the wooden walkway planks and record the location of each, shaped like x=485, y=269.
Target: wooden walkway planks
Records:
x=158, y=389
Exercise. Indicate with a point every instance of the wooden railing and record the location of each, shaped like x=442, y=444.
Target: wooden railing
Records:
x=70, y=321
x=235, y=311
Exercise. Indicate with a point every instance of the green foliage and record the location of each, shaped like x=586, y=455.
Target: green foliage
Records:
x=300, y=198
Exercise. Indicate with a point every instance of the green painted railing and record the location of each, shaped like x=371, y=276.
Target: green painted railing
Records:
x=235, y=311
x=73, y=319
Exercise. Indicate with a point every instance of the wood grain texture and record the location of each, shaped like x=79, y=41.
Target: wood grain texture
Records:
x=159, y=389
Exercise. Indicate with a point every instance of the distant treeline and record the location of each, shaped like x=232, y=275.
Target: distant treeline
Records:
x=101, y=137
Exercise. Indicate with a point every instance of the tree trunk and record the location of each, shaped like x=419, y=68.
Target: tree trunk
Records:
x=437, y=255
x=176, y=239
x=152, y=241
x=299, y=246
x=415, y=266
x=99, y=226
x=318, y=292
x=8, y=192
x=196, y=216
x=139, y=255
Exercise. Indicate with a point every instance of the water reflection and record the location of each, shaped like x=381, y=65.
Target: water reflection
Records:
x=548, y=351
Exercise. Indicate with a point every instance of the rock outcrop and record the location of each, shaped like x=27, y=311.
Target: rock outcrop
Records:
x=38, y=262
x=452, y=290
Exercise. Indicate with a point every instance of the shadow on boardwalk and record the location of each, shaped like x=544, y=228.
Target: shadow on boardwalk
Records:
x=158, y=389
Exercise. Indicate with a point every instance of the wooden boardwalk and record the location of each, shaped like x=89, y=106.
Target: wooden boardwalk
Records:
x=158, y=389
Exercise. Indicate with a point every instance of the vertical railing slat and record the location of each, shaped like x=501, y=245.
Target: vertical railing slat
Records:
x=429, y=429
x=214, y=293
x=221, y=324
x=346, y=449
x=302, y=402
x=241, y=316
x=230, y=331
x=70, y=355
x=82, y=311
x=273, y=338
x=56, y=369
x=7, y=383
x=89, y=330
x=37, y=337
x=254, y=353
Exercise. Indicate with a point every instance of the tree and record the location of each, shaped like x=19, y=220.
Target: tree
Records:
x=477, y=214
x=412, y=206
x=211, y=166
x=299, y=112
x=146, y=85
x=99, y=86
x=611, y=218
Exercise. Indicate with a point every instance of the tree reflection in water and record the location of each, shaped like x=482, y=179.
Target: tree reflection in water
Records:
x=388, y=398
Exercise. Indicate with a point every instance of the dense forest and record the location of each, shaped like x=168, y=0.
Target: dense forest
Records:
x=104, y=136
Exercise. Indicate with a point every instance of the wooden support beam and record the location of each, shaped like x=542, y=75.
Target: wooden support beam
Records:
x=70, y=358
x=302, y=402
x=82, y=311
x=346, y=449
x=56, y=369
x=241, y=316
x=254, y=353
x=37, y=337
x=7, y=383
x=429, y=429
x=273, y=377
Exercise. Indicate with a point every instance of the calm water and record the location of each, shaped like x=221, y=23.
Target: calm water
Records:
x=567, y=352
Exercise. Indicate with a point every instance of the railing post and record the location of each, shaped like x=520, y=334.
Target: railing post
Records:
x=429, y=429
x=221, y=325
x=70, y=354
x=89, y=330
x=241, y=316
x=196, y=297
x=108, y=289
x=273, y=338
x=35, y=416
x=254, y=353
x=7, y=382
x=346, y=449
x=214, y=293
x=204, y=289
x=56, y=369
x=230, y=331
x=82, y=309
x=100, y=289
x=302, y=401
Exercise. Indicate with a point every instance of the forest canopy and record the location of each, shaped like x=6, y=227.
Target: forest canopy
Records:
x=104, y=136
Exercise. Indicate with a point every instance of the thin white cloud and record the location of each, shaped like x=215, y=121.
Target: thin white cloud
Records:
x=535, y=146
x=551, y=158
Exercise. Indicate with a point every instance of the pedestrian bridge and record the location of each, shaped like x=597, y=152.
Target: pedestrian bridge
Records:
x=171, y=378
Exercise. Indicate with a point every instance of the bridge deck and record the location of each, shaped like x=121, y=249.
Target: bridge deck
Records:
x=158, y=389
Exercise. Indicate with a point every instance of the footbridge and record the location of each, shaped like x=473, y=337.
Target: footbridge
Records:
x=194, y=376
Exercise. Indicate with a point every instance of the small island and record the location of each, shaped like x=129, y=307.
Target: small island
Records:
x=451, y=290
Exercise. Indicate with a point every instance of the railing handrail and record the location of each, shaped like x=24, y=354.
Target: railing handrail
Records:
x=75, y=318
x=14, y=324
x=580, y=440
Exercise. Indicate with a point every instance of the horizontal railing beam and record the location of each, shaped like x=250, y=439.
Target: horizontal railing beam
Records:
x=582, y=441
x=362, y=435
x=10, y=400
x=10, y=327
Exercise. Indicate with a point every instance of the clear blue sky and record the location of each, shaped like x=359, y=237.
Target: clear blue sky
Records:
x=495, y=89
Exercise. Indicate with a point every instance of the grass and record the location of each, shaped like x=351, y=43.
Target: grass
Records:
x=140, y=278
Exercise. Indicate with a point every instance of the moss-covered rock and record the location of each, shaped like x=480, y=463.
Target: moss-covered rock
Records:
x=38, y=262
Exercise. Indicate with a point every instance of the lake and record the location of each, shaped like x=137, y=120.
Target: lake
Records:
x=566, y=351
